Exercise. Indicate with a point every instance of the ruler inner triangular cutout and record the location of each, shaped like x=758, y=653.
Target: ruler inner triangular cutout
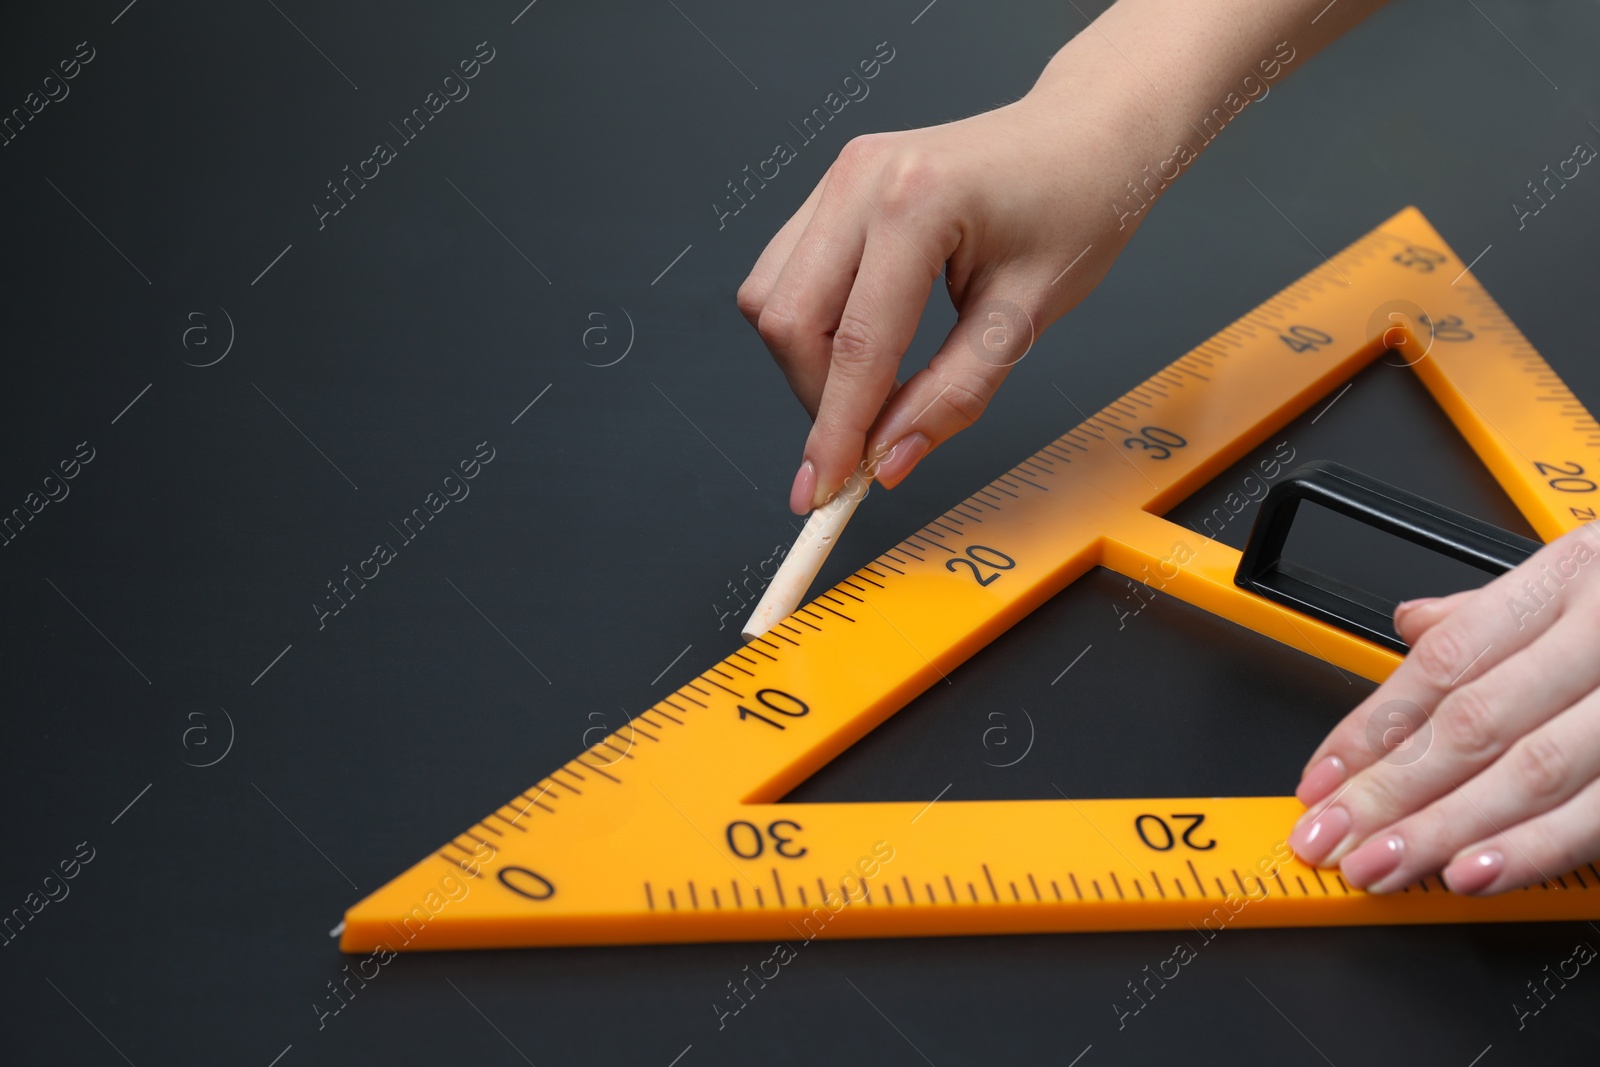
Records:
x=668, y=831
x=1097, y=720
x=1384, y=423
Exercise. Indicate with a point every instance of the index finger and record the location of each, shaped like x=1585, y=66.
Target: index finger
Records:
x=879, y=320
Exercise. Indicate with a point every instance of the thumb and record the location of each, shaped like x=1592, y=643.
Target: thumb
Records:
x=991, y=336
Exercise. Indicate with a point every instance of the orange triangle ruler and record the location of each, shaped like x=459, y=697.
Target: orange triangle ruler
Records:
x=671, y=830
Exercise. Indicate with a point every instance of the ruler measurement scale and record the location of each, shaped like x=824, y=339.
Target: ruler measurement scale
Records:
x=669, y=831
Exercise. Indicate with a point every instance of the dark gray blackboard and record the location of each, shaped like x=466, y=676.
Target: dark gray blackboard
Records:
x=166, y=206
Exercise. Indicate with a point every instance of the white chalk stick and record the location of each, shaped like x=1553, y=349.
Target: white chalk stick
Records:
x=799, y=568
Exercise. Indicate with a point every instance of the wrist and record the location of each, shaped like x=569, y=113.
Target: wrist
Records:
x=1153, y=83
x=1115, y=128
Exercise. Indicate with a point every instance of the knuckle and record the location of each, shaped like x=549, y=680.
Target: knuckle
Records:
x=855, y=345
x=1439, y=656
x=1467, y=721
x=908, y=180
x=966, y=396
x=1542, y=768
x=778, y=323
x=751, y=298
x=859, y=149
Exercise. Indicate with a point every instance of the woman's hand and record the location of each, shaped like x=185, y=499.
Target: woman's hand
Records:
x=1019, y=211
x=1480, y=756
x=1010, y=209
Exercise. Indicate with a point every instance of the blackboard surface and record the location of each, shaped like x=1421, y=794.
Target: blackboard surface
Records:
x=262, y=386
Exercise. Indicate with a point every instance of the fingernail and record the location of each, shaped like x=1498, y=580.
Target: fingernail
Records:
x=1320, y=780
x=1373, y=861
x=1313, y=839
x=805, y=483
x=1405, y=607
x=905, y=454
x=1474, y=873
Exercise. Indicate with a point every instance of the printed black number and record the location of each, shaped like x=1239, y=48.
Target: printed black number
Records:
x=1166, y=832
x=1305, y=338
x=1586, y=514
x=989, y=557
x=528, y=883
x=780, y=844
x=766, y=697
x=1449, y=328
x=1563, y=477
x=1156, y=441
x=1193, y=826
x=756, y=844
x=1419, y=258
x=1168, y=839
x=755, y=836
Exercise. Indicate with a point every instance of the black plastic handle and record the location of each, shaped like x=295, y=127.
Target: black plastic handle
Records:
x=1378, y=504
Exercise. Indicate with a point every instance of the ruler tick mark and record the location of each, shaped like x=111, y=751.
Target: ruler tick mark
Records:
x=725, y=689
x=599, y=770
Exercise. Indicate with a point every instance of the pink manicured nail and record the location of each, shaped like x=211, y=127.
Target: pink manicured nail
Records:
x=1313, y=839
x=1473, y=874
x=1320, y=780
x=1373, y=861
x=805, y=483
x=905, y=454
